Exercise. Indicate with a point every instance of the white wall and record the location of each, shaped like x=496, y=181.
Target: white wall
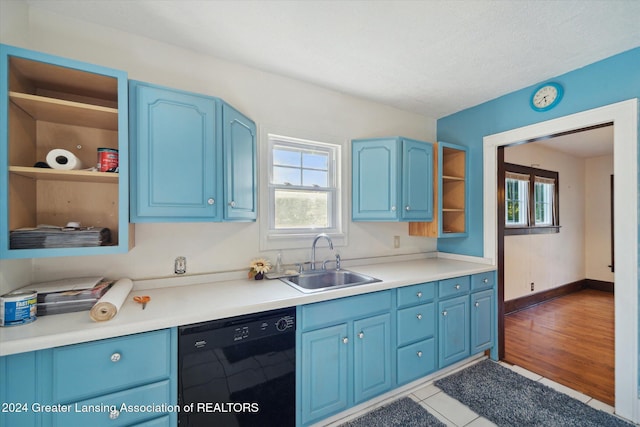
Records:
x=598, y=171
x=270, y=100
x=548, y=260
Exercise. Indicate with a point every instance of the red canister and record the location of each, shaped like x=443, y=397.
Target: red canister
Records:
x=107, y=160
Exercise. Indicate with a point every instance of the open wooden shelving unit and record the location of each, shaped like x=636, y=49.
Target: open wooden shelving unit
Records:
x=450, y=190
x=54, y=105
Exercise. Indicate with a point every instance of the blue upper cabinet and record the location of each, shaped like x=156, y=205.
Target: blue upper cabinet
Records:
x=193, y=157
x=392, y=180
x=48, y=103
x=451, y=217
x=174, y=156
x=239, y=147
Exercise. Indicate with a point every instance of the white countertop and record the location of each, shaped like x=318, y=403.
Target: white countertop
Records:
x=180, y=305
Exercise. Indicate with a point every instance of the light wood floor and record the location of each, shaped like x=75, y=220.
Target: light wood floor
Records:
x=569, y=340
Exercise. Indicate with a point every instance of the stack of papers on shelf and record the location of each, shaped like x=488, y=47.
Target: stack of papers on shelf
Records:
x=55, y=237
x=69, y=295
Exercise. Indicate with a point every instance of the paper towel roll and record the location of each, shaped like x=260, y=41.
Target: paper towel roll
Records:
x=107, y=307
x=59, y=158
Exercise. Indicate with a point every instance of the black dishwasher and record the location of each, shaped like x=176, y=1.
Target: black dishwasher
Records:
x=238, y=371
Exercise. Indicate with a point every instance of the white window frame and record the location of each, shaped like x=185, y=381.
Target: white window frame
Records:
x=274, y=239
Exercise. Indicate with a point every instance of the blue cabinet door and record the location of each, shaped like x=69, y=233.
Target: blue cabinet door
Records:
x=375, y=179
x=175, y=171
x=324, y=372
x=482, y=317
x=453, y=330
x=417, y=180
x=239, y=148
x=372, y=357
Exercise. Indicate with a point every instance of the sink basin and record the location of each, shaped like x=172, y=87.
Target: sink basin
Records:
x=322, y=280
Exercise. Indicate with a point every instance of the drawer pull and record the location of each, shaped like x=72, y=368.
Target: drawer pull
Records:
x=115, y=357
x=485, y=280
x=419, y=354
x=444, y=313
x=419, y=294
x=477, y=304
x=232, y=204
x=345, y=340
x=114, y=414
x=361, y=335
x=393, y=208
x=210, y=201
x=457, y=286
x=407, y=208
x=419, y=316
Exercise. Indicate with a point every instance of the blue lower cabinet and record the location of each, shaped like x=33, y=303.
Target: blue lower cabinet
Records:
x=324, y=372
x=416, y=360
x=347, y=362
x=453, y=330
x=372, y=357
x=106, y=382
x=482, y=319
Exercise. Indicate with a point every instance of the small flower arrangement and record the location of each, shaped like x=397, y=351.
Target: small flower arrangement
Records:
x=258, y=268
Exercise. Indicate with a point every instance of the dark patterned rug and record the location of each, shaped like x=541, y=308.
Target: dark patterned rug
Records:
x=509, y=399
x=401, y=413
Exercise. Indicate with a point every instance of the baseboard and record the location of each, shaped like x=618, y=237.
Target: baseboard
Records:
x=599, y=285
x=531, y=300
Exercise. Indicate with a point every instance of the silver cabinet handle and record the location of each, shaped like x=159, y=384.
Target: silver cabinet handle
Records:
x=485, y=280
x=419, y=294
x=361, y=335
x=407, y=208
x=115, y=357
x=477, y=304
x=345, y=340
x=419, y=316
x=444, y=313
x=419, y=354
x=393, y=208
x=114, y=414
x=210, y=201
x=457, y=286
x=232, y=204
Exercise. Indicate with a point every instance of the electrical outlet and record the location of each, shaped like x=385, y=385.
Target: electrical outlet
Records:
x=180, y=265
x=533, y=286
x=396, y=242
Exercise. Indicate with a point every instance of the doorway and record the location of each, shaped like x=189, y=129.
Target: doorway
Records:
x=554, y=326
x=624, y=116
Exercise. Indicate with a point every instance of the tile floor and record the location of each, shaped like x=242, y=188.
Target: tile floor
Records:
x=455, y=414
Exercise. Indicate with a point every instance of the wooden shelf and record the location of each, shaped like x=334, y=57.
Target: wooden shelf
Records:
x=65, y=175
x=67, y=112
x=452, y=178
x=452, y=210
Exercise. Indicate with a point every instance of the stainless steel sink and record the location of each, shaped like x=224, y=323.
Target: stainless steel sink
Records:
x=322, y=280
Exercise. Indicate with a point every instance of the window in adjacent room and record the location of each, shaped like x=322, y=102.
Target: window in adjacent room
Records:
x=531, y=200
x=303, y=186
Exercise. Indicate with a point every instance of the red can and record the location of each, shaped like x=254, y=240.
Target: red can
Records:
x=107, y=160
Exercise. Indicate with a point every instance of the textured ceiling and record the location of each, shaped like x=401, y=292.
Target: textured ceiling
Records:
x=430, y=57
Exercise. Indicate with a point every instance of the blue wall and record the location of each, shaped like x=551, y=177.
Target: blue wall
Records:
x=605, y=82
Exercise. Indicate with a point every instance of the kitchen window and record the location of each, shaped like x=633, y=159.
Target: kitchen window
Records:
x=531, y=200
x=304, y=188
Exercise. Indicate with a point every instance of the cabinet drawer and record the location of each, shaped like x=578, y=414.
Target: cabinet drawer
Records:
x=107, y=410
x=343, y=309
x=416, y=360
x=416, y=323
x=482, y=280
x=416, y=294
x=91, y=369
x=453, y=287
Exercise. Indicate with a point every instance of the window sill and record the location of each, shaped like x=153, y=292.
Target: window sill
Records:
x=515, y=231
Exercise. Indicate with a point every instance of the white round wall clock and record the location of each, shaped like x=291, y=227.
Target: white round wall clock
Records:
x=546, y=97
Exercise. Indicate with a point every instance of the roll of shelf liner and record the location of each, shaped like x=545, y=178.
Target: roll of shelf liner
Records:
x=108, y=306
x=62, y=159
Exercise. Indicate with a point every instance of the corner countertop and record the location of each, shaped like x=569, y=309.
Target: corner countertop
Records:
x=172, y=306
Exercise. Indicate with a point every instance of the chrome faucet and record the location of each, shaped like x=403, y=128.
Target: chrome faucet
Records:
x=313, y=248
